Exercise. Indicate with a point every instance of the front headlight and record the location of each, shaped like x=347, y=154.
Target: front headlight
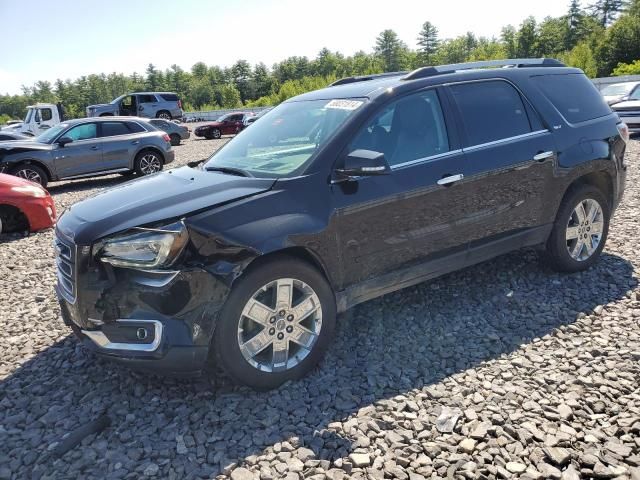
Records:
x=146, y=248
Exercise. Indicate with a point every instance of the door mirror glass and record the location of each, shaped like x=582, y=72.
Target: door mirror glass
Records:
x=363, y=163
x=62, y=141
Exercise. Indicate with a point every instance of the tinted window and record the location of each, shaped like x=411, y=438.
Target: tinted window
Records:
x=159, y=123
x=112, y=129
x=490, y=111
x=82, y=132
x=5, y=137
x=147, y=99
x=170, y=97
x=134, y=127
x=45, y=114
x=575, y=97
x=408, y=129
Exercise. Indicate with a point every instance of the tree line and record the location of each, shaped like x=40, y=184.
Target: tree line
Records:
x=602, y=39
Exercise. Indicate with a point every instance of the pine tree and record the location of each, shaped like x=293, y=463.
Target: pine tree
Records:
x=607, y=10
x=429, y=43
x=391, y=50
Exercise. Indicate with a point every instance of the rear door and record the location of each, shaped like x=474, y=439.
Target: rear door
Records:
x=147, y=105
x=83, y=155
x=119, y=143
x=510, y=159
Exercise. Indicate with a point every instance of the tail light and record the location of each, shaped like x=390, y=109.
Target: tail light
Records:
x=166, y=138
x=180, y=104
x=623, y=129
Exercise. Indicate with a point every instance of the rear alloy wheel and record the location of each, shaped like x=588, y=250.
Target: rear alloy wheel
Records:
x=148, y=162
x=31, y=172
x=164, y=115
x=276, y=324
x=175, y=139
x=580, y=230
x=216, y=133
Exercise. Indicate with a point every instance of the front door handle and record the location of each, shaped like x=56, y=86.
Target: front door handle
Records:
x=135, y=142
x=95, y=147
x=449, y=179
x=543, y=156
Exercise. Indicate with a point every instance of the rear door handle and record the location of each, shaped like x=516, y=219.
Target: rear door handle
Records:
x=95, y=147
x=543, y=156
x=449, y=179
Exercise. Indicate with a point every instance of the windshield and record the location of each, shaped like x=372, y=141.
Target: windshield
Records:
x=223, y=117
x=285, y=139
x=48, y=135
x=27, y=119
x=617, y=89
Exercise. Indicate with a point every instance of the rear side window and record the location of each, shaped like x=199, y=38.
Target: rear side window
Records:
x=169, y=97
x=112, y=129
x=134, y=127
x=491, y=111
x=147, y=99
x=573, y=94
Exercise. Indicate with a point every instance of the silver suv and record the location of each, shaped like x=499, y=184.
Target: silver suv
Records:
x=165, y=105
x=88, y=147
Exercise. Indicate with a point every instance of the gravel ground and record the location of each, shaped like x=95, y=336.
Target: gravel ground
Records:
x=504, y=370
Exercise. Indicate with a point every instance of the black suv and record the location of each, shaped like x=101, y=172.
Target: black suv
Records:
x=335, y=197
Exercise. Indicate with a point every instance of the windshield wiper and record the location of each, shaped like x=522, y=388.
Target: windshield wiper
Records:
x=230, y=171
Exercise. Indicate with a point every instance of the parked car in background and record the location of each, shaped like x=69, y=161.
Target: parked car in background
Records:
x=245, y=262
x=229, y=124
x=251, y=119
x=39, y=118
x=175, y=131
x=11, y=135
x=12, y=122
x=24, y=205
x=88, y=147
x=629, y=113
x=618, y=92
x=166, y=105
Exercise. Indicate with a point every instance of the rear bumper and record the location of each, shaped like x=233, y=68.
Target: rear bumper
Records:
x=169, y=156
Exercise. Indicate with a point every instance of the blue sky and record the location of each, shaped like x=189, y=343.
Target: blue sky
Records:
x=45, y=40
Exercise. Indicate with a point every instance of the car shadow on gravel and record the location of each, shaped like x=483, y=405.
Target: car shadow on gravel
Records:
x=404, y=343
x=74, y=186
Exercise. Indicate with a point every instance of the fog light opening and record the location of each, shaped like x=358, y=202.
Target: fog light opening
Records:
x=141, y=333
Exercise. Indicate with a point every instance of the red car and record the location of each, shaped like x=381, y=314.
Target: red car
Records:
x=228, y=124
x=24, y=205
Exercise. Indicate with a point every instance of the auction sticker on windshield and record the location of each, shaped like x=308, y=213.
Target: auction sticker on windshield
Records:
x=344, y=104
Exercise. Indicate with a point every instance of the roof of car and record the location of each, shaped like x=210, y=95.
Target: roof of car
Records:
x=153, y=93
x=109, y=118
x=374, y=86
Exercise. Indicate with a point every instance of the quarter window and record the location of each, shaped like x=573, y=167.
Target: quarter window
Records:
x=408, y=129
x=85, y=131
x=134, y=127
x=490, y=111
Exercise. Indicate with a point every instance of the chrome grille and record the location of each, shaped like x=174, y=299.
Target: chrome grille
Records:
x=65, y=263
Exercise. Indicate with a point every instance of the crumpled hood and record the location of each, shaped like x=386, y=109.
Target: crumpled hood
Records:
x=24, y=145
x=155, y=198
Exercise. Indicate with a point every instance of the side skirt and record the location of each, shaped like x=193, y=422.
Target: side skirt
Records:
x=407, y=277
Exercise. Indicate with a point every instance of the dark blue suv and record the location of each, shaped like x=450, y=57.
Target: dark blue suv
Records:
x=335, y=197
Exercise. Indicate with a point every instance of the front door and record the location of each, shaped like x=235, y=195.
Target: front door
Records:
x=44, y=119
x=398, y=220
x=129, y=106
x=83, y=155
x=510, y=157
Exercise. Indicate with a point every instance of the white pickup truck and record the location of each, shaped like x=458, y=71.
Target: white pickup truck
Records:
x=39, y=117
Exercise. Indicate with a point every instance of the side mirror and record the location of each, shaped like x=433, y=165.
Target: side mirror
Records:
x=62, y=141
x=363, y=163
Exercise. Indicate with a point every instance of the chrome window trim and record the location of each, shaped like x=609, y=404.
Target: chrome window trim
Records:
x=426, y=159
x=480, y=146
x=102, y=341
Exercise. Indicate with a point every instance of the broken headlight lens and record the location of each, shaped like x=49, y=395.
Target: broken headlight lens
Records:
x=146, y=248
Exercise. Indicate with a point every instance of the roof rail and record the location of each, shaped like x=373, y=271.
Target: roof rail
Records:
x=510, y=62
x=364, y=78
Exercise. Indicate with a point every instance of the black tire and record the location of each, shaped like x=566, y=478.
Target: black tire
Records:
x=225, y=342
x=32, y=172
x=143, y=160
x=214, y=134
x=164, y=115
x=175, y=139
x=557, y=248
x=12, y=220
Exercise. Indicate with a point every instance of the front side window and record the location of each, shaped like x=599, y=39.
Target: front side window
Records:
x=127, y=102
x=283, y=142
x=491, y=110
x=85, y=131
x=45, y=114
x=112, y=129
x=408, y=129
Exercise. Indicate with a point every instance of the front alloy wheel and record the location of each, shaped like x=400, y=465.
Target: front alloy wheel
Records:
x=276, y=323
x=279, y=325
x=584, y=230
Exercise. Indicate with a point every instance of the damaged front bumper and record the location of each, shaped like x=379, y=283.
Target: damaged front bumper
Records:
x=159, y=321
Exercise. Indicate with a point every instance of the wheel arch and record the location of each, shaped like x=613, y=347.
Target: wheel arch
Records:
x=601, y=179
x=148, y=148
x=23, y=216
x=31, y=161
